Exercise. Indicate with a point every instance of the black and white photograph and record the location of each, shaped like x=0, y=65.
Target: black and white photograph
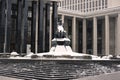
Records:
x=59, y=39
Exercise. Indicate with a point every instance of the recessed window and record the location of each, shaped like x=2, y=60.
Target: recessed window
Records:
x=90, y=4
x=93, y=3
x=106, y=3
x=70, y=2
x=99, y=2
x=102, y=2
x=96, y=4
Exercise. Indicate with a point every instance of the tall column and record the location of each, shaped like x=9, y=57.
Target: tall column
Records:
x=7, y=27
x=36, y=31
x=117, y=37
x=74, y=33
x=50, y=29
x=18, y=26
x=33, y=25
x=40, y=27
x=103, y=36
x=24, y=27
x=107, y=35
x=95, y=36
x=62, y=19
x=84, y=36
x=54, y=18
x=47, y=26
x=2, y=25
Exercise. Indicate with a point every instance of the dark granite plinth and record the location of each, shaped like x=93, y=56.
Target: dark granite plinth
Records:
x=56, y=69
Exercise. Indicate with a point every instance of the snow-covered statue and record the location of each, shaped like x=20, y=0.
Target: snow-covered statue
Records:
x=61, y=33
x=60, y=28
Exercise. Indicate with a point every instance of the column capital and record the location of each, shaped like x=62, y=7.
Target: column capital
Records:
x=106, y=16
x=94, y=17
x=74, y=16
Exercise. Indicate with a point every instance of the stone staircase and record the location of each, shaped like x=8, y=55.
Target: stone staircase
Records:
x=55, y=70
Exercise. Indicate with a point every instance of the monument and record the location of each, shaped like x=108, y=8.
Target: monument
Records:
x=61, y=47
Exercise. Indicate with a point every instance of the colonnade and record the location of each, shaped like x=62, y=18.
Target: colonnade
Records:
x=20, y=17
x=106, y=33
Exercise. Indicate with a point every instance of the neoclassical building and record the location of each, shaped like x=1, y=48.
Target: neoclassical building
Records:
x=92, y=25
x=25, y=25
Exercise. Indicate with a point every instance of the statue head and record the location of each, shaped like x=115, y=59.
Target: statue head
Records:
x=60, y=28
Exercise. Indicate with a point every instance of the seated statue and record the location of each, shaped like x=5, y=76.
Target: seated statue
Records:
x=61, y=33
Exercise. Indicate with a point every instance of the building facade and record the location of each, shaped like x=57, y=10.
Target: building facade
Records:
x=25, y=24
x=92, y=25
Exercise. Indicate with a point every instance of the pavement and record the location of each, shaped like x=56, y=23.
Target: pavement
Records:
x=110, y=76
x=8, y=78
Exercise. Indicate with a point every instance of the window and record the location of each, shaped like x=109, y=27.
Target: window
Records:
x=81, y=6
x=90, y=9
x=105, y=3
x=90, y=4
x=99, y=7
x=102, y=7
x=102, y=2
x=67, y=7
x=99, y=2
x=73, y=1
x=75, y=7
x=87, y=5
x=96, y=8
x=96, y=4
x=70, y=2
x=93, y=3
x=78, y=6
x=84, y=10
x=84, y=5
x=65, y=2
x=70, y=8
x=62, y=3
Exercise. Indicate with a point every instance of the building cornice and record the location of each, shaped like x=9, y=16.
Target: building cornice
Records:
x=107, y=11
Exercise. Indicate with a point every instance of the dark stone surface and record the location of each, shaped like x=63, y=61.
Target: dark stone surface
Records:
x=33, y=25
x=18, y=26
x=56, y=69
x=54, y=18
x=8, y=26
x=40, y=26
x=2, y=24
x=47, y=26
x=24, y=27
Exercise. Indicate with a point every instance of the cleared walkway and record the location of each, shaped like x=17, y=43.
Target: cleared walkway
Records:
x=111, y=76
x=7, y=78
